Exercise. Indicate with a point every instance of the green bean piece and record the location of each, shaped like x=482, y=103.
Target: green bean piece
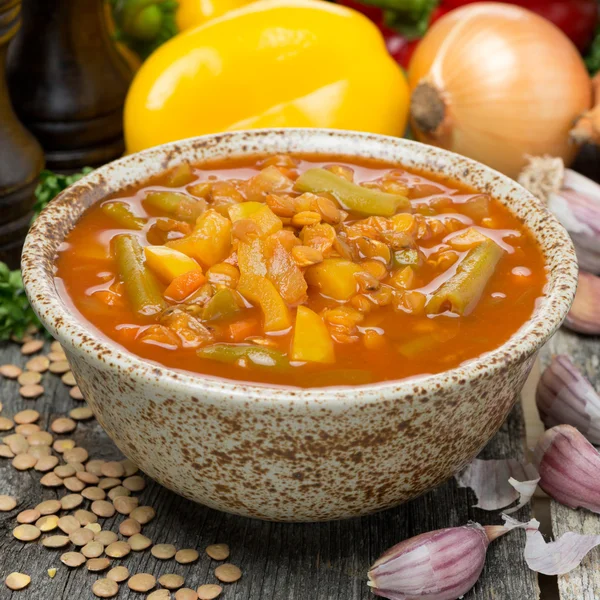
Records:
x=259, y=356
x=119, y=212
x=140, y=285
x=352, y=196
x=462, y=291
x=223, y=305
x=405, y=258
x=177, y=205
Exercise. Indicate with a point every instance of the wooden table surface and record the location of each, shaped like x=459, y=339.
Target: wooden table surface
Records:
x=327, y=561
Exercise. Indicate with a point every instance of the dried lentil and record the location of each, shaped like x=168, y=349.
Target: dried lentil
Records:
x=73, y=484
x=46, y=463
x=118, y=574
x=227, y=573
x=118, y=491
x=10, y=371
x=108, y=482
x=39, y=451
x=6, y=452
x=72, y=559
x=55, y=541
x=163, y=551
x=75, y=393
x=56, y=356
x=98, y=564
x=48, y=507
x=186, y=594
x=93, y=493
x=186, y=556
x=71, y=501
x=32, y=347
x=112, y=469
x=6, y=424
x=17, y=581
x=129, y=467
x=209, y=591
x=81, y=413
x=63, y=425
x=141, y=582
x=85, y=517
x=26, y=416
x=139, y=542
x=106, y=538
x=51, y=480
x=159, y=595
x=62, y=446
x=117, y=549
x=96, y=528
x=28, y=516
x=129, y=527
x=40, y=438
x=105, y=588
x=68, y=524
x=125, y=505
x=59, y=367
x=143, y=514
x=218, y=551
x=95, y=467
x=29, y=378
x=27, y=429
x=134, y=483
x=103, y=508
x=76, y=455
x=65, y=471
x=26, y=533
x=92, y=549
x=39, y=364
x=171, y=581
x=23, y=462
x=47, y=523
x=7, y=503
x=68, y=379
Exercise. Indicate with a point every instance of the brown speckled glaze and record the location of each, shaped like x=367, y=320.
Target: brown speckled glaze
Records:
x=292, y=454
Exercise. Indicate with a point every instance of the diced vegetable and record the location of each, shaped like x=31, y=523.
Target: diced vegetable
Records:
x=177, y=204
x=462, y=291
x=260, y=291
x=467, y=239
x=257, y=212
x=251, y=257
x=209, y=242
x=223, y=305
x=119, y=212
x=352, y=196
x=181, y=175
x=335, y=277
x=140, y=285
x=258, y=356
x=404, y=258
x=184, y=285
x=284, y=273
x=168, y=263
x=189, y=329
x=312, y=342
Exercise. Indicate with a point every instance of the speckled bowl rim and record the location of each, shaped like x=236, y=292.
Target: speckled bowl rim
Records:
x=42, y=242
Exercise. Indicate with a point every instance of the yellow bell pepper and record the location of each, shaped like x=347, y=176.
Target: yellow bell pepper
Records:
x=259, y=290
x=335, y=277
x=168, y=263
x=259, y=213
x=312, y=342
x=273, y=63
x=209, y=242
x=191, y=13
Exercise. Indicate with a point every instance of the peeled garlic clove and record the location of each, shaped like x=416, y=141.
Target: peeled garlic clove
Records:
x=569, y=468
x=439, y=565
x=584, y=316
x=565, y=396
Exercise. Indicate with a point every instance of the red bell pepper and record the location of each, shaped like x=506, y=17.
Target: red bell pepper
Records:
x=404, y=22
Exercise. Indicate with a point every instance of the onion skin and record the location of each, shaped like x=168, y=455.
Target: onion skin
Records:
x=511, y=82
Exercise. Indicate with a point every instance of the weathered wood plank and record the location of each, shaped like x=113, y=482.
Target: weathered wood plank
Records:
x=582, y=583
x=325, y=561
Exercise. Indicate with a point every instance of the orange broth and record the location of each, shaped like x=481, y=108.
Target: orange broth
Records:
x=390, y=343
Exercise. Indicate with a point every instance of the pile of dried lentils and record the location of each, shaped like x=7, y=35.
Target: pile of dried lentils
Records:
x=108, y=487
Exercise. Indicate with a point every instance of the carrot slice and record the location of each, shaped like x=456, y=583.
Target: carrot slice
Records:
x=240, y=330
x=183, y=285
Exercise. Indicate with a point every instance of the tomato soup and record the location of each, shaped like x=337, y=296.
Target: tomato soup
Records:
x=302, y=271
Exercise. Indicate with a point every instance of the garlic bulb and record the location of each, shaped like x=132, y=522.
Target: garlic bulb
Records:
x=575, y=201
x=439, y=565
x=565, y=396
x=584, y=316
x=569, y=468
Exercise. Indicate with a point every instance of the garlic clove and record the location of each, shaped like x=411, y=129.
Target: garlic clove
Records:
x=565, y=396
x=439, y=565
x=498, y=483
x=584, y=316
x=569, y=468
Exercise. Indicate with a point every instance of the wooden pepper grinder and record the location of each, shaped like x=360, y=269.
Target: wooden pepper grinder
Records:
x=21, y=157
x=68, y=82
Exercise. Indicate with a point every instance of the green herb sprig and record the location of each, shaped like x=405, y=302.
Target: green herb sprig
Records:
x=16, y=316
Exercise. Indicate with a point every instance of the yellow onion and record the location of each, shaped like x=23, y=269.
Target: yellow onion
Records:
x=496, y=82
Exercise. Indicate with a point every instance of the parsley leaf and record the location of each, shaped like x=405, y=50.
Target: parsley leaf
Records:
x=16, y=316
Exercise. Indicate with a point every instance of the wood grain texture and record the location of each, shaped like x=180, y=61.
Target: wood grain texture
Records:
x=326, y=561
x=583, y=583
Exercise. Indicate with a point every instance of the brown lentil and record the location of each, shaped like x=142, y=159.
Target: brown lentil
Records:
x=163, y=551
x=75, y=393
x=23, y=462
x=26, y=532
x=105, y=588
x=29, y=378
x=125, y=505
x=134, y=483
x=39, y=364
x=76, y=455
x=118, y=574
x=117, y=549
x=68, y=379
x=93, y=493
x=46, y=463
x=10, y=371
x=56, y=347
x=141, y=582
x=6, y=452
x=209, y=591
x=26, y=416
x=96, y=528
x=159, y=595
x=47, y=523
x=51, y=480
x=77, y=466
x=106, y=538
x=81, y=536
x=118, y=491
x=88, y=478
x=98, y=564
x=55, y=541
x=17, y=581
x=186, y=594
x=227, y=573
x=61, y=446
x=28, y=516
x=17, y=443
x=40, y=438
x=56, y=356
x=186, y=556
x=39, y=451
x=27, y=429
x=92, y=549
x=112, y=469
x=218, y=551
x=129, y=527
x=6, y=424
x=72, y=559
x=103, y=508
x=68, y=524
x=108, y=482
x=73, y=484
x=32, y=347
x=139, y=542
x=71, y=501
x=143, y=514
x=59, y=367
x=81, y=413
x=85, y=517
x=7, y=503
x=63, y=425
x=171, y=581
x=94, y=467
x=129, y=467
x=48, y=507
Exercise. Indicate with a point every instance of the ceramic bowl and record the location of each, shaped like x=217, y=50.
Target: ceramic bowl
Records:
x=285, y=453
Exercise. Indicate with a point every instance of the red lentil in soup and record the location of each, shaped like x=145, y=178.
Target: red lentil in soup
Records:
x=302, y=271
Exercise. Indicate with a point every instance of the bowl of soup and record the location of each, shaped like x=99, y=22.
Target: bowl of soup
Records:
x=299, y=324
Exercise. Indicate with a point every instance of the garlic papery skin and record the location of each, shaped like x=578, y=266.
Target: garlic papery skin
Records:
x=565, y=396
x=569, y=468
x=440, y=565
x=584, y=316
